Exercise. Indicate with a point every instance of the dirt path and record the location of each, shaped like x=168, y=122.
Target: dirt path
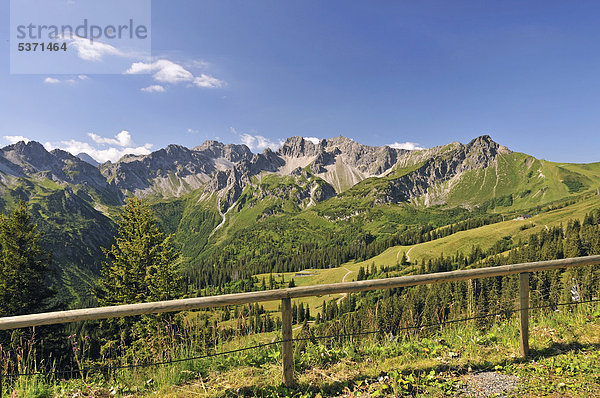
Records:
x=300, y=326
x=407, y=255
x=344, y=280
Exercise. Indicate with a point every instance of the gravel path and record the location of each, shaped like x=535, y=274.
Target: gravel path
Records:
x=486, y=384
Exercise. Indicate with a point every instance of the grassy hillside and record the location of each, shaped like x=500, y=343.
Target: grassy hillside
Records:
x=522, y=182
x=462, y=241
x=73, y=231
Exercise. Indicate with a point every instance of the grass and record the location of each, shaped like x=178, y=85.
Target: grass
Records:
x=484, y=236
x=564, y=361
x=530, y=181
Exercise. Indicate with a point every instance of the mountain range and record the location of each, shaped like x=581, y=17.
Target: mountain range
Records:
x=218, y=197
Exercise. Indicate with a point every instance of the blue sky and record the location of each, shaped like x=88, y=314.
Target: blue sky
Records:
x=384, y=72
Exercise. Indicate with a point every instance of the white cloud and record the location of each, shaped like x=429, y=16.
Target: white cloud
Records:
x=206, y=81
x=94, y=51
x=122, y=145
x=314, y=140
x=411, y=146
x=165, y=71
x=52, y=80
x=13, y=139
x=259, y=142
x=192, y=131
x=121, y=139
x=155, y=88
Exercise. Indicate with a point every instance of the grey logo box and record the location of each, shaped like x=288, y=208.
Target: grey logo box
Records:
x=79, y=36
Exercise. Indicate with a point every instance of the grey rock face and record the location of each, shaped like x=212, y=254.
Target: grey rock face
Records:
x=368, y=159
x=32, y=159
x=297, y=146
x=133, y=173
x=231, y=152
x=477, y=154
x=87, y=158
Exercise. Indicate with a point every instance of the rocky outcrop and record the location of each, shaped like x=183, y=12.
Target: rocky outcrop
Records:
x=296, y=147
x=33, y=160
x=230, y=152
x=477, y=154
x=370, y=160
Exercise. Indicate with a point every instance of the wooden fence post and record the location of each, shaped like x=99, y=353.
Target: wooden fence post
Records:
x=524, y=305
x=287, y=351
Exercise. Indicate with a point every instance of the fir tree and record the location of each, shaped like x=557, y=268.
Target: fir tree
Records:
x=301, y=313
x=294, y=313
x=404, y=259
x=140, y=267
x=23, y=265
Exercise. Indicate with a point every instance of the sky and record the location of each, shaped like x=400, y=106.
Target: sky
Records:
x=413, y=74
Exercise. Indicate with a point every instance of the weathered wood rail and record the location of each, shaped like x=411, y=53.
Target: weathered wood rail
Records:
x=285, y=295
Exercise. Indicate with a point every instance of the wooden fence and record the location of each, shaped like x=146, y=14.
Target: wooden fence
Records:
x=285, y=295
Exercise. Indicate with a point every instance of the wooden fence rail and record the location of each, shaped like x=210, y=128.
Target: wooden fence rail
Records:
x=285, y=295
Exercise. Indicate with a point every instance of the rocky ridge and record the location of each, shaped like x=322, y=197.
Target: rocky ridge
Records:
x=330, y=167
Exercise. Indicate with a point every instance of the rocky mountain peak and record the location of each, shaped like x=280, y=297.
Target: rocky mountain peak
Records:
x=230, y=152
x=296, y=147
x=175, y=149
x=340, y=139
x=211, y=147
x=87, y=158
x=29, y=150
x=483, y=150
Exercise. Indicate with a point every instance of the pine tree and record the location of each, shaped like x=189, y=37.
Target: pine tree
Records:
x=404, y=259
x=141, y=267
x=294, y=313
x=301, y=313
x=23, y=265
x=361, y=274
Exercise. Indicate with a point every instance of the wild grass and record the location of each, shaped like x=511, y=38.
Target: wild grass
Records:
x=565, y=360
